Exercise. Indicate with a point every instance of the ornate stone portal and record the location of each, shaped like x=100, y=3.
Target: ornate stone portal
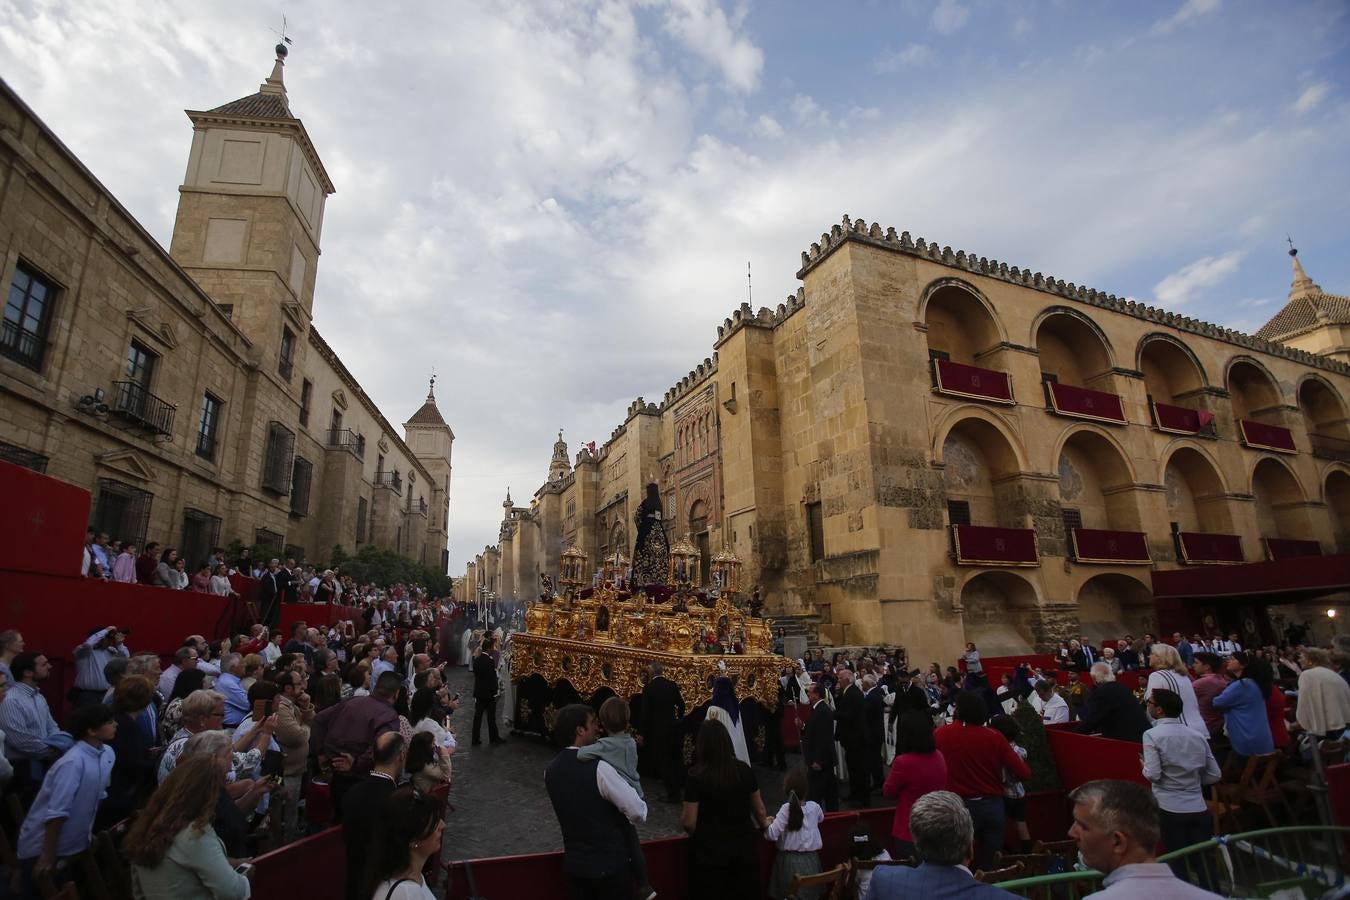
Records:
x=605, y=637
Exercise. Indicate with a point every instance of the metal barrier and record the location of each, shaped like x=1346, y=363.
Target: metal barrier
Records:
x=1248, y=864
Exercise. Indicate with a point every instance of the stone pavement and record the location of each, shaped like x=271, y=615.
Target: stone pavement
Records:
x=502, y=809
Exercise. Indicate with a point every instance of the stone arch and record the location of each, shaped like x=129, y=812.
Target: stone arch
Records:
x=1196, y=496
x=1171, y=369
x=1280, y=500
x=1324, y=414
x=1251, y=386
x=1112, y=605
x=1072, y=347
x=958, y=415
x=979, y=462
x=618, y=538
x=1096, y=478
x=1336, y=494
x=961, y=321
x=1000, y=612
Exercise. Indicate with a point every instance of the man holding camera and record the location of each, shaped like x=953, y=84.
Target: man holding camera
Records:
x=91, y=657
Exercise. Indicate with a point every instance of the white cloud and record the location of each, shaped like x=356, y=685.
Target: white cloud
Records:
x=1178, y=287
x=767, y=126
x=949, y=16
x=1189, y=10
x=704, y=29
x=909, y=55
x=1311, y=97
x=808, y=111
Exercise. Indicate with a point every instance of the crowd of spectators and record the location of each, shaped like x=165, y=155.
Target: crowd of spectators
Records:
x=226, y=748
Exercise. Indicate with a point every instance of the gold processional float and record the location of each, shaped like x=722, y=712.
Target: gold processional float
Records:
x=579, y=641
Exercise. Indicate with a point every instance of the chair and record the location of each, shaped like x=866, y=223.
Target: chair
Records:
x=833, y=881
x=1007, y=873
x=1225, y=816
x=1033, y=864
x=1298, y=787
x=1257, y=786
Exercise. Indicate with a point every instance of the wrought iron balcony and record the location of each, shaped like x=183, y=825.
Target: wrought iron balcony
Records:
x=419, y=507
x=348, y=440
x=1324, y=446
x=391, y=480
x=136, y=404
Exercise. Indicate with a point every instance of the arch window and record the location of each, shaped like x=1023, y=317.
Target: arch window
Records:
x=963, y=338
x=1111, y=606
x=1076, y=369
x=1257, y=405
x=1174, y=382
x=1325, y=418
x=1099, y=505
x=1281, y=512
x=999, y=613
x=980, y=474
x=1338, y=504
x=1197, y=506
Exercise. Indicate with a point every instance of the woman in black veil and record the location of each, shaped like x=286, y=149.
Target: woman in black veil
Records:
x=651, y=550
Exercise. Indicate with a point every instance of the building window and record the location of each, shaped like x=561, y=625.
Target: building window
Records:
x=361, y=510
x=306, y=390
x=22, y=456
x=28, y=312
x=295, y=552
x=226, y=309
x=207, y=427
x=140, y=365
x=302, y=473
x=267, y=545
x=379, y=465
x=122, y=510
x=958, y=512
x=201, y=535
x=286, y=364
x=815, y=529
x=277, y=458
x=1073, y=518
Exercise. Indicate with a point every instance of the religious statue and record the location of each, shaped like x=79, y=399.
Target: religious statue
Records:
x=651, y=550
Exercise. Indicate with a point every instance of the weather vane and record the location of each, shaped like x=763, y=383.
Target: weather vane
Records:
x=281, y=47
x=1293, y=251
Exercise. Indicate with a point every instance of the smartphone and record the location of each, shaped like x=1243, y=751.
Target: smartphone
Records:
x=261, y=710
x=245, y=869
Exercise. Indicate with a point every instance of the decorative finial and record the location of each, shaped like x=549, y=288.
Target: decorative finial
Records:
x=282, y=52
x=749, y=290
x=431, y=387
x=1293, y=251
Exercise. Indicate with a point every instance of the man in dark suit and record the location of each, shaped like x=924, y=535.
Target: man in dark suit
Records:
x=818, y=750
x=944, y=839
x=662, y=712
x=485, y=694
x=269, y=595
x=288, y=582
x=1111, y=709
x=850, y=713
x=874, y=720
x=365, y=799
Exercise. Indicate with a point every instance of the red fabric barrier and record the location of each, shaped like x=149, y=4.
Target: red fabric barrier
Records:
x=1280, y=578
x=1106, y=546
x=43, y=521
x=1202, y=547
x=313, y=867
x=1081, y=758
x=972, y=381
x=1085, y=403
x=986, y=545
x=1180, y=419
x=1266, y=437
x=1338, y=780
x=1287, y=548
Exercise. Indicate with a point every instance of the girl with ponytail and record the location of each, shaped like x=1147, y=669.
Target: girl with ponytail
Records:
x=796, y=830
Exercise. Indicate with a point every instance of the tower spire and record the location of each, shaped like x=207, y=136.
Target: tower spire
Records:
x=1303, y=286
x=274, y=83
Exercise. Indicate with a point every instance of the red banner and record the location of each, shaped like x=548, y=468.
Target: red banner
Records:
x=1181, y=419
x=43, y=520
x=1288, y=548
x=972, y=381
x=1085, y=403
x=1266, y=437
x=1202, y=547
x=1106, y=546
x=980, y=545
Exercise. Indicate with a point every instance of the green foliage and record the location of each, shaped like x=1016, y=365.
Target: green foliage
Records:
x=1044, y=774
x=385, y=567
x=338, y=557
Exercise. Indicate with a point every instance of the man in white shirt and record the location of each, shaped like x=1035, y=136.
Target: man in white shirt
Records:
x=1053, y=708
x=272, y=652
x=1177, y=762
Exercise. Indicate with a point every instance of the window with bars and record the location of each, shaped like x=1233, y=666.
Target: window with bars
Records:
x=278, y=458
x=267, y=544
x=22, y=456
x=306, y=394
x=1073, y=518
x=815, y=529
x=122, y=510
x=28, y=313
x=958, y=512
x=295, y=552
x=286, y=359
x=302, y=473
x=201, y=535
x=362, y=510
x=207, y=426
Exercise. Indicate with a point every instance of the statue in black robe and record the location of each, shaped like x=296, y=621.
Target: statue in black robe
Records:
x=651, y=550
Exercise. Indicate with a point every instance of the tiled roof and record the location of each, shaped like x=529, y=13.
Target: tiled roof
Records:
x=1301, y=313
x=255, y=106
x=427, y=415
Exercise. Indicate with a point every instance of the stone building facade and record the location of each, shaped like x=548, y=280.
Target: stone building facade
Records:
x=188, y=388
x=928, y=447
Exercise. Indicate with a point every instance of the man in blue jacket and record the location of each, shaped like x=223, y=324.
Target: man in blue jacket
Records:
x=944, y=838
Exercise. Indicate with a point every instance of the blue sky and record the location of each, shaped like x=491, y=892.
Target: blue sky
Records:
x=553, y=202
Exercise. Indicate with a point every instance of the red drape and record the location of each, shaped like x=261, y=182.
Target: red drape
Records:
x=972, y=381
x=1085, y=403
x=1107, y=546
x=983, y=545
x=1269, y=437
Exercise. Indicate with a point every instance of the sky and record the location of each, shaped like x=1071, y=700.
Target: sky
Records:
x=553, y=203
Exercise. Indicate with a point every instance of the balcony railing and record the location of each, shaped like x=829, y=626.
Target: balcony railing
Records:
x=135, y=404
x=1085, y=403
x=419, y=506
x=1205, y=548
x=958, y=380
x=980, y=545
x=391, y=480
x=346, y=439
x=1092, y=545
x=1324, y=446
x=1260, y=436
x=1289, y=548
x=1182, y=420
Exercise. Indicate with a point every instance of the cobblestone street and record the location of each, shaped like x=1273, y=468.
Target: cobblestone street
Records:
x=501, y=807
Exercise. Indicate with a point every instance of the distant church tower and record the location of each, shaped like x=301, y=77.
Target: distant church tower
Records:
x=560, y=466
x=250, y=215
x=1312, y=320
x=431, y=441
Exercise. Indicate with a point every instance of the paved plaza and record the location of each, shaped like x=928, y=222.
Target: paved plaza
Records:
x=501, y=808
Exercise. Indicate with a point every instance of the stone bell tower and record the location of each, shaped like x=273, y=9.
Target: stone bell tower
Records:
x=560, y=466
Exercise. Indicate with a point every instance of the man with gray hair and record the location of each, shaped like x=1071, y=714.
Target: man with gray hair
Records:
x=944, y=839
x=231, y=686
x=1116, y=826
x=1111, y=709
